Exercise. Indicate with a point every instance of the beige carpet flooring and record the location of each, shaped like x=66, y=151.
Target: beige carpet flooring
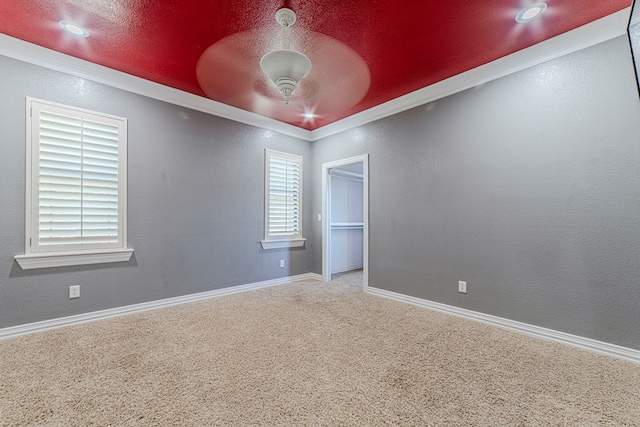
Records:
x=307, y=354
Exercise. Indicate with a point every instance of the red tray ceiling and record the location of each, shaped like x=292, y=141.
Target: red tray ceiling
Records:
x=364, y=52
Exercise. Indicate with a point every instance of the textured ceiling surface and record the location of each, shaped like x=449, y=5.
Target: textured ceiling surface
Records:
x=363, y=52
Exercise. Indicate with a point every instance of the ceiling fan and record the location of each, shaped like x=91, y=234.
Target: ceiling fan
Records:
x=247, y=71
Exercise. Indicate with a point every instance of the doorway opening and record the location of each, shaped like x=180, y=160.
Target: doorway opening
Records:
x=345, y=217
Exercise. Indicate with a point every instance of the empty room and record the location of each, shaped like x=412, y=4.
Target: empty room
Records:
x=326, y=213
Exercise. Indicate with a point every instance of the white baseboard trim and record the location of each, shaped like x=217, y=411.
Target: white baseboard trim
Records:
x=342, y=269
x=600, y=347
x=29, y=328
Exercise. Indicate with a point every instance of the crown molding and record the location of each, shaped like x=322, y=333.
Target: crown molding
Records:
x=588, y=35
x=38, y=55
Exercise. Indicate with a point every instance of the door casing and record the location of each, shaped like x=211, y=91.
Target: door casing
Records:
x=326, y=213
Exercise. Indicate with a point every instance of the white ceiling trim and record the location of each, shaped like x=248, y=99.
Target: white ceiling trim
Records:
x=38, y=55
x=599, y=31
x=588, y=35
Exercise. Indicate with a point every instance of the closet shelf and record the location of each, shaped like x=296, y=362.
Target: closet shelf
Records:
x=347, y=225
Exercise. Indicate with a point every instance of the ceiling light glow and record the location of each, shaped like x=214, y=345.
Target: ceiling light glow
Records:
x=74, y=29
x=531, y=12
x=309, y=115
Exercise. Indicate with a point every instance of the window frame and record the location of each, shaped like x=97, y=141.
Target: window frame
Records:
x=81, y=253
x=276, y=242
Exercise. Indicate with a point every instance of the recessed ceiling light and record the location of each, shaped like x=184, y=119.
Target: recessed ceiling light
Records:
x=309, y=115
x=531, y=12
x=74, y=29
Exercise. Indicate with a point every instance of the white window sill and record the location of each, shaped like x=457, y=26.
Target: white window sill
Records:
x=64, y=259
x=284, y=243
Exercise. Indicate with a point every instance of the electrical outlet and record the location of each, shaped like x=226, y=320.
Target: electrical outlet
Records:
x=319, y=217
x=462, y=287
x=74, y=291
x=281, y=263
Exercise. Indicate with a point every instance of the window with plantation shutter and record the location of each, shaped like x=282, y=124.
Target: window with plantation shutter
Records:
x=283, y=200
x=76, y=187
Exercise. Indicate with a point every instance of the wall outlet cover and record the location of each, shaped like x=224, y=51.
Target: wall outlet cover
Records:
x=74, y=291
x=462, y=287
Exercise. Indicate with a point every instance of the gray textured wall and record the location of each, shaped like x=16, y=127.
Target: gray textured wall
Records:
x=527, y=187
x=196, y=185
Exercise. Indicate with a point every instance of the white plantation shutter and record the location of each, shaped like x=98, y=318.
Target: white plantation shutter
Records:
x=283, y=196
x=77, y=179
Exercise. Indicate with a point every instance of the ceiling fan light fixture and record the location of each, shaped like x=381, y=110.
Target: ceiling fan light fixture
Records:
x=285, y=67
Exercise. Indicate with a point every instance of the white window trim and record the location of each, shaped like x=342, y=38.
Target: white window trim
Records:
x=283, y=243
x=288, y=242
x=65, y=259
x=46, y=259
